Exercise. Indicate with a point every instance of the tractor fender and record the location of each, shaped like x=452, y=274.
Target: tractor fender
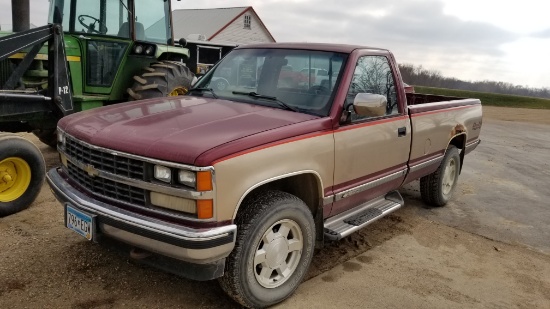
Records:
x=172, y=53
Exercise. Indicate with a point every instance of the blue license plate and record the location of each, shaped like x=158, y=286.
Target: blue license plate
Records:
x=79, y=222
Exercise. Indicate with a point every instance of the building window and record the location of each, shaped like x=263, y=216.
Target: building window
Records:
x=247, y=21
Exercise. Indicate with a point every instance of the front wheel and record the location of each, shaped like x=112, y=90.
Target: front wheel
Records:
x=22, y=172
x=437, y=188
x=275, y=244
x=162, y=79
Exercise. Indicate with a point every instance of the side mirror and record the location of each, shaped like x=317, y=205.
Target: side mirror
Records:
x=370, y=105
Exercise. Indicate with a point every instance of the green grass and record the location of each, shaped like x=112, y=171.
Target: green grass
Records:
x=493, y=99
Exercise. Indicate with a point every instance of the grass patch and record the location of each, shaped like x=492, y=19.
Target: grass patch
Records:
x=493, y=99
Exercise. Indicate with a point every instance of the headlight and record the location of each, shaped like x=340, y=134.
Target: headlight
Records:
x=187, y=178
x=149, y=50
x=138, y=49
x=60, y=137
x=163, y=173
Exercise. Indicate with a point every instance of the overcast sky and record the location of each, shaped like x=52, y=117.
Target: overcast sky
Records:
x=467, y=39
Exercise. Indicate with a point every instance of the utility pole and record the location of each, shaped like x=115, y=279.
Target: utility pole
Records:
x=20, y=15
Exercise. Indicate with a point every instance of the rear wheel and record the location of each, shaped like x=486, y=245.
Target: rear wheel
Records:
x=437, y=188
x=162, y=79
x=22, y=172
x=275, y=243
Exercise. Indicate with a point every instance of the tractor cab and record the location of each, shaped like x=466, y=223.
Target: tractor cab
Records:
x=135, y=20
x=108, y=42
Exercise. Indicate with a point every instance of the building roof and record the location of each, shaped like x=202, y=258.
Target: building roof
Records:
x=208, y=22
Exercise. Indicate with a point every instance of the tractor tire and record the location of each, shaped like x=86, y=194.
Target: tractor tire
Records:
x=162, y=79
x=273, y=251
x=48, y=137
x=22, y=172
x=436, y=189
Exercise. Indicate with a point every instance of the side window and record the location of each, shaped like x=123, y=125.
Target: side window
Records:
x=373, y=75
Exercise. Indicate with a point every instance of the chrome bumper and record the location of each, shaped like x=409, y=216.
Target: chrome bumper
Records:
x=197, y=246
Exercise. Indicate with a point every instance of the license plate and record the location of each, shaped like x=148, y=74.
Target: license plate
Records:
x=79, y=222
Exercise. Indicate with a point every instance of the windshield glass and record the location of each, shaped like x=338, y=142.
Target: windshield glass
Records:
x=104, y=17
x=111, y=17
x=262, y=76
x=153, y=21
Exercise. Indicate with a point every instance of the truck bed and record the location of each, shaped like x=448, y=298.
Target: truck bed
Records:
x=420, y=103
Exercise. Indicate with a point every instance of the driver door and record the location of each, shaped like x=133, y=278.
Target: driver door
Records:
x=371, y=153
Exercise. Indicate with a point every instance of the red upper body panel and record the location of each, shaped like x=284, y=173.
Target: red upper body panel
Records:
x=181, y=129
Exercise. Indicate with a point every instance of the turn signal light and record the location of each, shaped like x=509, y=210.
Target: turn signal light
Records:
x=204, y=181
x=205, y=209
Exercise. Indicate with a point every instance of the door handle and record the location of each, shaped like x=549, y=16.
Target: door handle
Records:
x=402, y=131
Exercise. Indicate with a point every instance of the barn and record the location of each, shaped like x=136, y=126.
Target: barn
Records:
x=235, y=25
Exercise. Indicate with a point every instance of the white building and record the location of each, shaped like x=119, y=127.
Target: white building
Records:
x=237, y=25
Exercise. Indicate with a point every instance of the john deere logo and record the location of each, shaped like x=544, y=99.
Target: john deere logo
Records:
x=91, y=170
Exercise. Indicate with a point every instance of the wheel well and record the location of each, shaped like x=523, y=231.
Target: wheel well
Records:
x=173, y=57
x=304, y=186
x=459, y=141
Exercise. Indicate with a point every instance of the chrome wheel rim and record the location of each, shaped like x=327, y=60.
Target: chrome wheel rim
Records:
x=449, y=176
x=278, y=253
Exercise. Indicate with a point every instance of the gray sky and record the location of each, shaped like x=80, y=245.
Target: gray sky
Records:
x=467, y=39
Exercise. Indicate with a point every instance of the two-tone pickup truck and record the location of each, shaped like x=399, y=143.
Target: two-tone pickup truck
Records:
x=242, y=183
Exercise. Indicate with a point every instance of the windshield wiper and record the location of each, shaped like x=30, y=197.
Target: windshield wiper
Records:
x=261, y=96
x=205, y=89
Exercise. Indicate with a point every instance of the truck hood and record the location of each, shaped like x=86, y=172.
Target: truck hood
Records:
x=181, y=129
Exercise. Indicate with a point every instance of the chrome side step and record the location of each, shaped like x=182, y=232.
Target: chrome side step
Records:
x=358, y=217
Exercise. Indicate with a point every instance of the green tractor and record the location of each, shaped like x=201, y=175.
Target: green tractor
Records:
x=109, y=51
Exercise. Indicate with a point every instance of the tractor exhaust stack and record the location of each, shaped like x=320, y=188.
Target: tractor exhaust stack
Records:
x=20, y=15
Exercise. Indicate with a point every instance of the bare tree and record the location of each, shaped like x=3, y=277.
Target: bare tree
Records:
x=417, y=75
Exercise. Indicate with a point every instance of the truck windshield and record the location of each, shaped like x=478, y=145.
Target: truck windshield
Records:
x=271, y=76
x=112, y=18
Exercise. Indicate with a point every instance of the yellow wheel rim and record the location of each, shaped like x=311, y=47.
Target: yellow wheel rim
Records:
x=15, y=178
x=178, y=91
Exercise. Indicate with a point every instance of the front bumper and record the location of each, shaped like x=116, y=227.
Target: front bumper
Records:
x=196, y=246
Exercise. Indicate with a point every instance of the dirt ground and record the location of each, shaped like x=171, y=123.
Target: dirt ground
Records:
x=540, y=116
x=406, y=260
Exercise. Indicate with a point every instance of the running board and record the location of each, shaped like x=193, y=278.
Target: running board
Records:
x=358, y=217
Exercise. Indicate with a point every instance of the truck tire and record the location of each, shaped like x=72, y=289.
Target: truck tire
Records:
x=48, y=137
x=162, y=79
x=437, y=188
x=275, y=244
x=22, y=172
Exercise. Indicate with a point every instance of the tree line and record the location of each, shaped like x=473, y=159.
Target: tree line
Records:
x=418, y=75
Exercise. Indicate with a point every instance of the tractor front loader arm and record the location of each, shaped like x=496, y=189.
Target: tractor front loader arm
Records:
x=16, y=103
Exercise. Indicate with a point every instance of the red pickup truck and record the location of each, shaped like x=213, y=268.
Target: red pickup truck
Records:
x=242, y=183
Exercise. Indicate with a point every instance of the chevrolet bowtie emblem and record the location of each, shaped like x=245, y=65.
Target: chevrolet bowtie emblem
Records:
x=90, y=169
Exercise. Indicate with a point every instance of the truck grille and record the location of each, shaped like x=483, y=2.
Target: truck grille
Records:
x=104, y=161
x=107, y=188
